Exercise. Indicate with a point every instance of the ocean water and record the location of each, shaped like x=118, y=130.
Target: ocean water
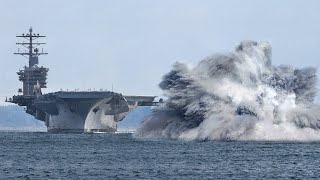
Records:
x=120, y=156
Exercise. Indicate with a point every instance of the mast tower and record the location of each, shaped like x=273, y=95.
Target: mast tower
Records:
x=32, y=75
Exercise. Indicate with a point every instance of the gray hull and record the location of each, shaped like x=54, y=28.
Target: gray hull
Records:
x=83, y=119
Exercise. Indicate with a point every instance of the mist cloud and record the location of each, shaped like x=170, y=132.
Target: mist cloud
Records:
x=237, y=96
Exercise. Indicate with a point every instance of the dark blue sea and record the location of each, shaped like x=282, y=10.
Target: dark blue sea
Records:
x=120, y=156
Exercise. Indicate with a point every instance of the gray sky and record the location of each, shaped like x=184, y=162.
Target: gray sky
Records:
x=133, y=43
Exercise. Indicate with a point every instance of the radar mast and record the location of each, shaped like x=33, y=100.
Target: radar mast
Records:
x=33, y=74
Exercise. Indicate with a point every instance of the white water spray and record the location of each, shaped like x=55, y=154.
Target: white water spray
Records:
x=237, y=96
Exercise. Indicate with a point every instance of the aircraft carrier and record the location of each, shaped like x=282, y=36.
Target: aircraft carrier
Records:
x=68, y=111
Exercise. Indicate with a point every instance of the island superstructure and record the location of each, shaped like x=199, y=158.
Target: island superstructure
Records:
x=68, y=111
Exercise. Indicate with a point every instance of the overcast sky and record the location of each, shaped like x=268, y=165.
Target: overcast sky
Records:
x=131, y=44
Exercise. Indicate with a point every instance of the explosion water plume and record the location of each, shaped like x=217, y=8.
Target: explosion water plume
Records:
x=237, y=96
